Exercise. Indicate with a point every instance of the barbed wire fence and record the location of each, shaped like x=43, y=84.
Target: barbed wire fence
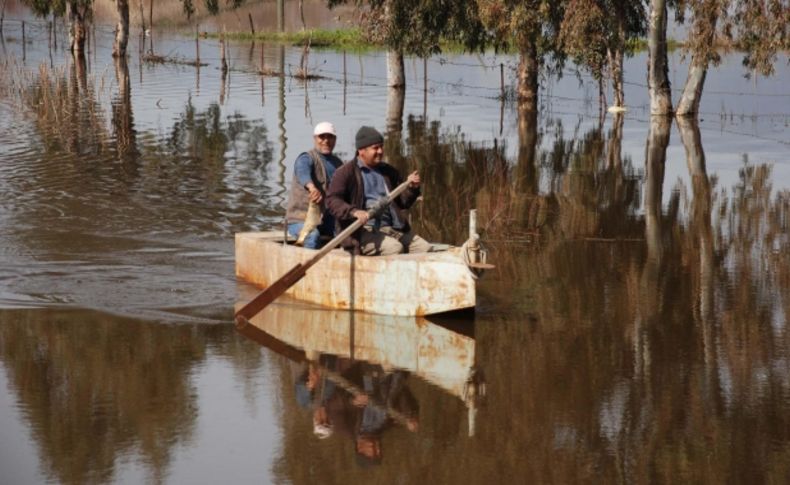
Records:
x=35, y=32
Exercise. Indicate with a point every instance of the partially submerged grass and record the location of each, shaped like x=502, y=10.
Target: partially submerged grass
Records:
x=351, y=39
x=151, y=58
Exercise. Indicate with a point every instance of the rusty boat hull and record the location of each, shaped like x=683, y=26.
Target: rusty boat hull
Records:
x=405, y=284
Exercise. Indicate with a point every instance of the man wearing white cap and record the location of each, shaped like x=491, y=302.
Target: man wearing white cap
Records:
x=312, y=172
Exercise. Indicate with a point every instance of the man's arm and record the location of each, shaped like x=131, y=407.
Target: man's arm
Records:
x=409, y=196
x=339, y=192
x=336, y=195
x=303, y=168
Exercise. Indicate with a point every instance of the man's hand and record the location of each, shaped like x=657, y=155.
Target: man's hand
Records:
x=414, y=179
x=361, y=215
x=360, y=400
x=315, y=194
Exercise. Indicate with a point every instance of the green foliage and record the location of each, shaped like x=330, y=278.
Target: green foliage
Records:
x=420, y=27
x=591, y=29
x=350, y=39
x=211, y=5
x=43, y=8
x=531, y=25
x=760, y=29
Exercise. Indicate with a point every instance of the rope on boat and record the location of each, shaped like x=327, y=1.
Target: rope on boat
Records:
x=482, y=257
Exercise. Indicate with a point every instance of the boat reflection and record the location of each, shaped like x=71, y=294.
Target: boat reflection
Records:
x=357, y=367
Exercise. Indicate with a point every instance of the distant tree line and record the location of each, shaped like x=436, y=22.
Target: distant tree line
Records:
x=595, y=34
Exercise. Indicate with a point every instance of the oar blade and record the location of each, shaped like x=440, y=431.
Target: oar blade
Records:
x=270, y=294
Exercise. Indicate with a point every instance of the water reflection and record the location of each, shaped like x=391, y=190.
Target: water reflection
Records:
x=356, y=374
x=122, y=116
x=633, y=331
x=671, y=349
x=94, y=389
x=99, y=200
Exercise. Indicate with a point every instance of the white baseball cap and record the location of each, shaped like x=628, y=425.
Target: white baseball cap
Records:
x=323, y=128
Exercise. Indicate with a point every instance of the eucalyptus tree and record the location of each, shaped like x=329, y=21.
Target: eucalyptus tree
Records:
x=596, y=33
x=532, y=28
x=758, y=28
x=658, y=84
x=79, y=12
x=418, y=28
x=212, y=6
x=701, y=44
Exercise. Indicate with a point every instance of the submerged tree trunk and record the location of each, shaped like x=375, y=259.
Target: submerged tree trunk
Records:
x=692, y=91
x=616, y=63
x=655, y=159
x=396, y=78
x=526, y=180
x=701, y=227
x=393, y=141
x=527, y=89
x=614, y=57
x=122, y=118
x=658, y=65
x=617, y=79
x=77, y=27
x=396, y=98
x=614, y=158
x=122, y=29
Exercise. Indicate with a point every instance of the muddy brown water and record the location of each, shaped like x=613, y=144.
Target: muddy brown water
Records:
x=633, y=331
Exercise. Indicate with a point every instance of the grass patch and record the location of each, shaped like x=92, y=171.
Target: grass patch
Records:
x=151, y=58
x=350, y=39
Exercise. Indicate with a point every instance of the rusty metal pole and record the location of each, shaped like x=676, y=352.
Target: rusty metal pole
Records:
x=474, y=238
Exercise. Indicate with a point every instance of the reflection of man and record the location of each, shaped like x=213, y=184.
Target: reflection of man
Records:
x=358, y=399
x=314, y=391
x=359, y=185
x=385, y=395
x=313, y=171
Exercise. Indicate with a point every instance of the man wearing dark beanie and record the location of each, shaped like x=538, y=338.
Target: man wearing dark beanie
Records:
x=358, y=185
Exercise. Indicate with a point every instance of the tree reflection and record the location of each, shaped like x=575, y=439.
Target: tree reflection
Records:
x=122, y=117
x=645, y=332
x=194, y=156
x=68, y=115
x=659, y=359
x=208, y=162
x=96, y=388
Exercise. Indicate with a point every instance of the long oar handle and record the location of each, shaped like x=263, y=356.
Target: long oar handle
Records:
x=265, y=297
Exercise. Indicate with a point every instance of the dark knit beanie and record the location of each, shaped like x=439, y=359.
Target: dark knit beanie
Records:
x=367, y=136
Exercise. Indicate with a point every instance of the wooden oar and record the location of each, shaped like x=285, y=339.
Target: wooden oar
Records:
x=296, y=273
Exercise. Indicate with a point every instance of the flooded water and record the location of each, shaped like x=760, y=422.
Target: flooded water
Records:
x=634, y=329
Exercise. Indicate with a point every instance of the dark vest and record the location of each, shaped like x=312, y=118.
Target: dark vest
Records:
x=299, y=197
